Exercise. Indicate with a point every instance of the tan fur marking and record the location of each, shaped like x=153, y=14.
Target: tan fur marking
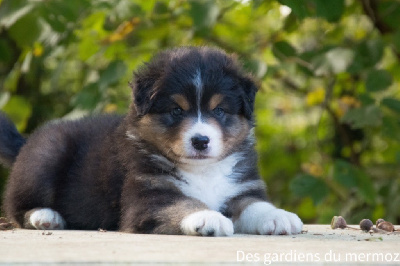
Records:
x=177, y=145
x=174, y=214
x=169, y=142
x=236, y=134
x=181, y=101
x=148, y=127
x=215, y=100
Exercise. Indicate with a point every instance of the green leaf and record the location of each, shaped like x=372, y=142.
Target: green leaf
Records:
x=283, y=50
x=351, y=177
x=365, y=187
x=54, y=17
x=330, y=10
x=391, y=127
x=59, y=13
x=307, y=185
x=298, y=8
x=339, y=58
x=378, y=80
x=19, y=110
x=204, y=13
x=333, y=61
x=391, y=103
x=90, y=35
x=367, y=54
x=12, y=10
x=112, y=74
x=160, y=8
x=12, y=78
x=88, y=97
x=257, y=67
x=396, y=40
x=23, y=34
x=87, y=48
x=344, y=173
x=366, y=99
x=290, y=23
x=307, y=209
x=368, y=116
x=4, y=97
x=389, y=13
x=6, y=52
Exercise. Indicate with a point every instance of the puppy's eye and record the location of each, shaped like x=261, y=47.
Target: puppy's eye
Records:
x=176, y=111
x=219, y=111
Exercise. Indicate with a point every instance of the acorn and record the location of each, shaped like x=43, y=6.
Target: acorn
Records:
x=379, y=221
x=338, y=222
x=387, y=226
x=366, y=224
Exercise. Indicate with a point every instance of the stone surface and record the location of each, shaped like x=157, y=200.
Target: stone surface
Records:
x=319, y=244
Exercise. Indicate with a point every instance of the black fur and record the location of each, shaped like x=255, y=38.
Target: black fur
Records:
x=95, y=176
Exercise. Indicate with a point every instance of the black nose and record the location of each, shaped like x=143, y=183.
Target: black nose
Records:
x=200, y=142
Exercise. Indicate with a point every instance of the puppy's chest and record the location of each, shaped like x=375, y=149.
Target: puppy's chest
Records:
x=213, y=185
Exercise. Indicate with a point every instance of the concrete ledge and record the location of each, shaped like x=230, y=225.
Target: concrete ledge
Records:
x=319, y=244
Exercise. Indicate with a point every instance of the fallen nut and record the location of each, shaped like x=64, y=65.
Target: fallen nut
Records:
x=387, y=226
x=366, y=224
x=379, y=221
x=338, y=222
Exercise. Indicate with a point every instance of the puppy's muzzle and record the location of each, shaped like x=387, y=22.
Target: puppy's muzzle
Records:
x=200, y=142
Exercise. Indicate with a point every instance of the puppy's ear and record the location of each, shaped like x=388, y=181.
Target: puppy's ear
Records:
x=249, y=88
x=142, y=92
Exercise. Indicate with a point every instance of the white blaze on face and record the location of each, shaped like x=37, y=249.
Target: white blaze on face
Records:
x=202, y=128
x=199, y=92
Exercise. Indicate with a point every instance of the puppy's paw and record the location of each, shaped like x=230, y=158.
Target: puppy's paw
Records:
x=279, y=222
x=45, y=219
x=263, y=218
x=207, y=223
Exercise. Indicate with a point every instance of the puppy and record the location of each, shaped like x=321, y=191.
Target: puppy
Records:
x=182, y=161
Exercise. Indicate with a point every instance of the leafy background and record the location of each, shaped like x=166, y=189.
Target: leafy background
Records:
x=328, y=108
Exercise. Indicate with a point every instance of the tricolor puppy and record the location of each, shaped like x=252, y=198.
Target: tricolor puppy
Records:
x=182, y=161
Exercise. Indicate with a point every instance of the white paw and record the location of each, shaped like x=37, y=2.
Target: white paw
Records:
x=46, y=219
x=207, y=223
x=263, y=218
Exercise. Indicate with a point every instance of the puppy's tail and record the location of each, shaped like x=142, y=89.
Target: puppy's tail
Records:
x=10, y=141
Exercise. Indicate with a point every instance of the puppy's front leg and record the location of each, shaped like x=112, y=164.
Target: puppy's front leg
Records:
x=167, y=211
x=253, y=216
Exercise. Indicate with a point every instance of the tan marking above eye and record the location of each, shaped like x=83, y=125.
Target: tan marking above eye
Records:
x=215, y=100
x=181, y=101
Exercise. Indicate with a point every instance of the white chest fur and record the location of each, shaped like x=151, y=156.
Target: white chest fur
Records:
x=212, y=184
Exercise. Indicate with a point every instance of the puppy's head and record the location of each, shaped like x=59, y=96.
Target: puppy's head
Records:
x=194, y=104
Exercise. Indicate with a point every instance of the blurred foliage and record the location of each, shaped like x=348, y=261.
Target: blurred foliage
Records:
x=328, y=111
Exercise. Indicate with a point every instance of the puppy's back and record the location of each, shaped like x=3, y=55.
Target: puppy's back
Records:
x=53, y=165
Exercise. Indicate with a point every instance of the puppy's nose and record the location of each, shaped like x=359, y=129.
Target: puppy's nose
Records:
x=200, y=142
